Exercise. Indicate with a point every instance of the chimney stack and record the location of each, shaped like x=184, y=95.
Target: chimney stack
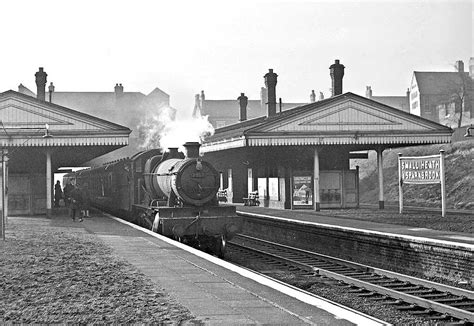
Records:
x=197, y=107
x=270, y=84
x=368, y=91
x=41, y=84
x=203, y=99
x=263, y=97
x=191, y=149
x=336, y=72
x=118, y=91
x=243, y=101
x=51, y=91
x=459, y=66
x=312, y=97
x=471, y=67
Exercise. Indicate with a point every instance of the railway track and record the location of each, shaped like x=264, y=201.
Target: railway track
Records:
x=417, y=296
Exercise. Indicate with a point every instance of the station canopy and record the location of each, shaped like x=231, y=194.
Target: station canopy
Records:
x=347, y=120
x=29, y=127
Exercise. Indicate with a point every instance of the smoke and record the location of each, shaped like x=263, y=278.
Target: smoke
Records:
x=163, y=131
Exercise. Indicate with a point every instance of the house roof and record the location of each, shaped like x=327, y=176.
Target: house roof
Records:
x=230, y=109
x=346, y=119
x=125, y=109
x=398, y=102
x=438, y=82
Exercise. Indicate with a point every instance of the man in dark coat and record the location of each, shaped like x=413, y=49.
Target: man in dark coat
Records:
x=58, y=193
x=76, y=203
x=67, y=193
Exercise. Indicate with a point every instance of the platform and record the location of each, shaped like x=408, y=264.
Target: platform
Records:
x=215, y=292
x=327, y=218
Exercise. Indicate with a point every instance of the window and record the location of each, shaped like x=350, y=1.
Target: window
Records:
x=414, y=105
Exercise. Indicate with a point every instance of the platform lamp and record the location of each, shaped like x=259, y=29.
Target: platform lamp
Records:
x=5, y=155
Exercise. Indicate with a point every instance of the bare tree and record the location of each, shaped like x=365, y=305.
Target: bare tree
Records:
x=461, y=94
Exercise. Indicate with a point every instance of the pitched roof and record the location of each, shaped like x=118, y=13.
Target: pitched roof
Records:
x=126, y=108
x=229, y=110
x=438, y=82
x=343, y=119
x=398, y=102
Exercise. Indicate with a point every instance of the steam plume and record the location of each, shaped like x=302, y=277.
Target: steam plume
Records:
x=162, y=131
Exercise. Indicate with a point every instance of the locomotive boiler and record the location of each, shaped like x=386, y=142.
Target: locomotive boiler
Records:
x=171, y=193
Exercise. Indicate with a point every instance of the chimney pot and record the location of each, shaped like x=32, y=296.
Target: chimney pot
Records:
x=336, y=73
x=368, y=91
x=459, y=66
x=118, y=91
x=41, y=78
x=51, y=91
x=312, y=96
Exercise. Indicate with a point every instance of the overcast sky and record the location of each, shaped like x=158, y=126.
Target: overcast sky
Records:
x=225, y=47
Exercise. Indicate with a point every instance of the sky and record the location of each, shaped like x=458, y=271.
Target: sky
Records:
x=226, y=47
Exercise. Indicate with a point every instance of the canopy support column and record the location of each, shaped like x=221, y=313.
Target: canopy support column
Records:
x=317, y=203
x=380, y=175
x=49, y=182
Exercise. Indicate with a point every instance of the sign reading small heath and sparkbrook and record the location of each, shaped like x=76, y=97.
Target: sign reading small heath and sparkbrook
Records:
x=422, y=170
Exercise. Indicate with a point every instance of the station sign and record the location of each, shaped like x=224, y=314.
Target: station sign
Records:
x=422, y=170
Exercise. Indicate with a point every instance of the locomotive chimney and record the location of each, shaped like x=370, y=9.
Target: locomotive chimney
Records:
x=191, y=149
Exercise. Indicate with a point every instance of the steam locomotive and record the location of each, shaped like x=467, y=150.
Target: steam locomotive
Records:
x=171, y=193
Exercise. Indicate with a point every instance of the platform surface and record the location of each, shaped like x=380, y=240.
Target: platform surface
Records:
x=324, y=217
x=215, y=293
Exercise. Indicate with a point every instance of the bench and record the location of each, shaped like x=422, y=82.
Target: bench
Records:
x=222, y=195
x=252, y=199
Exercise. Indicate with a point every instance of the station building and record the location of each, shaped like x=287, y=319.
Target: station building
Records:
x=300, y=158
x=38, y=137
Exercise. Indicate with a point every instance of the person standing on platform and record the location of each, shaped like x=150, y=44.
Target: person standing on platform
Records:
x=85, y=201
x=67, y=193
x=76, y=203
x=58, y=193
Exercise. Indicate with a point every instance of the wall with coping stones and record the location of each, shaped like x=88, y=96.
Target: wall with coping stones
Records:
x=407, y=256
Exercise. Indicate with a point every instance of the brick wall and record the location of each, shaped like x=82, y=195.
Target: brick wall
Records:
x=412, y=257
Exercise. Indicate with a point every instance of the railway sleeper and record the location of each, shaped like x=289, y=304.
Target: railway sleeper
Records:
x=409, y=307
x=438, y=317
x=419, y=292
x=462, y=304
x=360, y=290
x=433, y=295
x=357, y=274
x=386, y=281
x=422, y=312
x=447, y=300
x=405, y=288
x=371, y=278
x=393, y=302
